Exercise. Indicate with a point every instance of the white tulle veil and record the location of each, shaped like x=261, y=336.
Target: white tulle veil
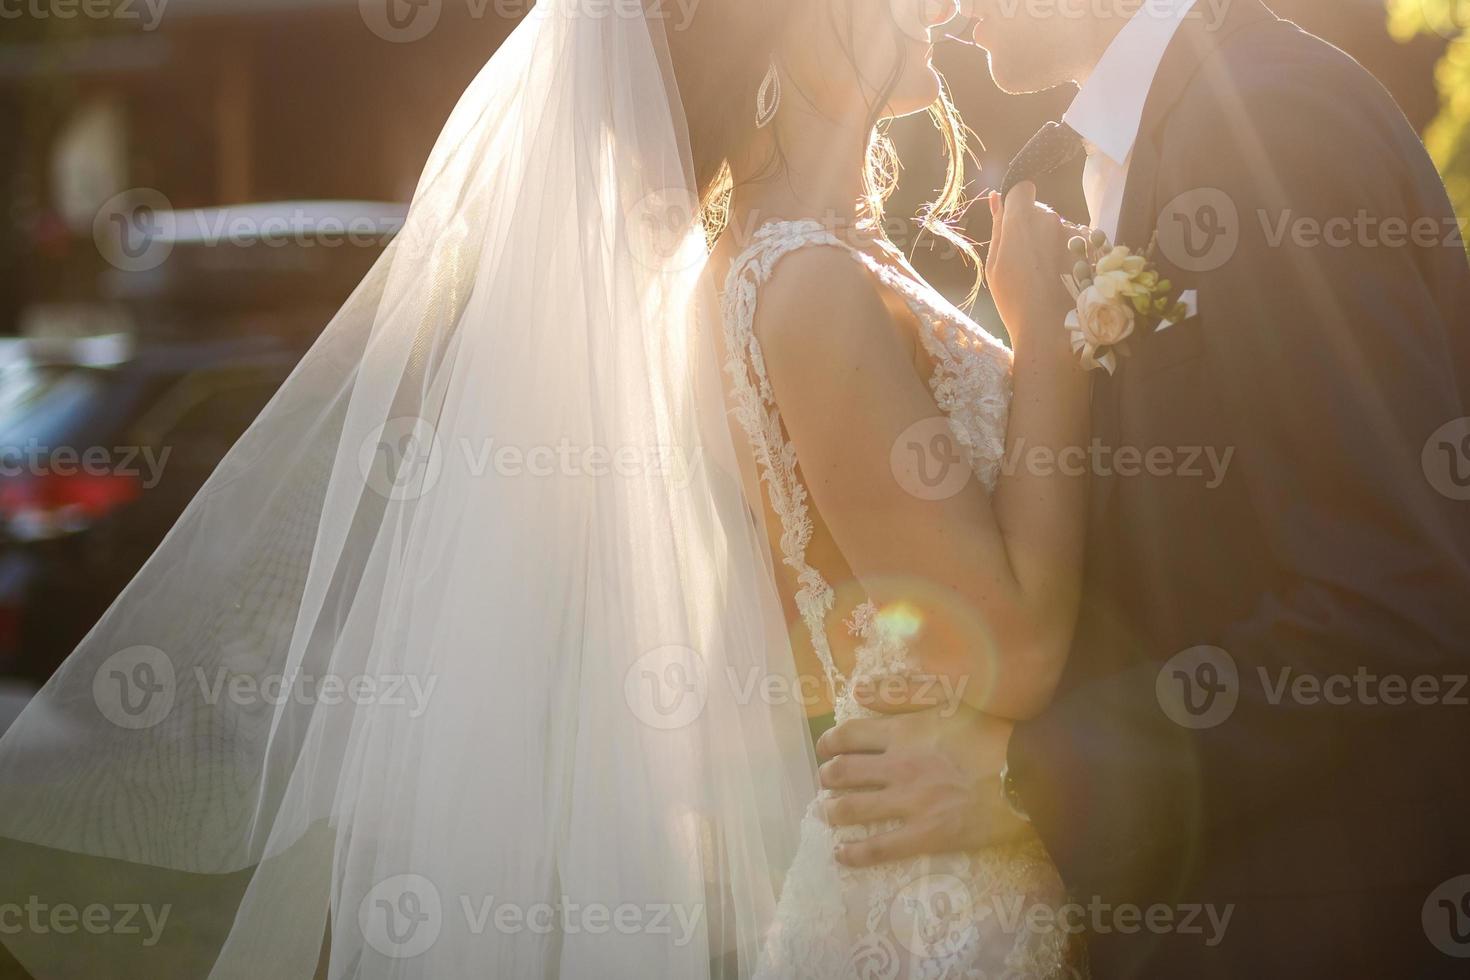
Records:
x=462, y=662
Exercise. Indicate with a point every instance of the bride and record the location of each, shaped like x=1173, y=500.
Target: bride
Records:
x=487, y=650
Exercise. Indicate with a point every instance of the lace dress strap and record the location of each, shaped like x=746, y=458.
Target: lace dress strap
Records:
x=755, y=409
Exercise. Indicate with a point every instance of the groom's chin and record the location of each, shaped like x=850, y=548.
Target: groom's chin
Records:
x=1023, y=59
x=1020, y=76
x=1010, y=79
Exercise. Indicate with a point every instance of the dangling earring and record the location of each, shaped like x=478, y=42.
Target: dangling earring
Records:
x=768, y=97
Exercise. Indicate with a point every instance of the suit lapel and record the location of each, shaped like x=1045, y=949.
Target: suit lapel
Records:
x=1197, y=37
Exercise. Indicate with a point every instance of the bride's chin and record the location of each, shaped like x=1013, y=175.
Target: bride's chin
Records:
x=915, y=94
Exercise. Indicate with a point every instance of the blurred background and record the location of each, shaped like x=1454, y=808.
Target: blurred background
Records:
x=283, y=138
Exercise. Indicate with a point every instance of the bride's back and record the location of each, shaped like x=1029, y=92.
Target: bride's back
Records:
x=802, y=305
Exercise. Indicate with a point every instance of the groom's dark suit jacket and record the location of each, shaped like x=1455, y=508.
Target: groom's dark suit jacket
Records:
x=1327, y=549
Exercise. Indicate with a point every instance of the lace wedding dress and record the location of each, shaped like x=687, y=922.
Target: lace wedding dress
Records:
x=954, y=916
x=460, y=626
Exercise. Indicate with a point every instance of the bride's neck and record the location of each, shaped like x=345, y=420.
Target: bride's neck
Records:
x=805, y=165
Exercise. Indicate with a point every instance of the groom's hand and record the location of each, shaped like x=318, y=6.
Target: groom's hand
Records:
x=937, y=769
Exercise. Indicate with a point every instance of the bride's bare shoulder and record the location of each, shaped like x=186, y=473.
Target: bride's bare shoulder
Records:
x=821, y=308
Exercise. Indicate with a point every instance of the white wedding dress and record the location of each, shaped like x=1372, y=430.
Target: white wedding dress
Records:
x=441, y=674
x=943, y=917
x=582, y=752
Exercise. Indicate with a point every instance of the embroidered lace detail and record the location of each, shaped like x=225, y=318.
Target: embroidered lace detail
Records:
x=861, y=619
x=755, y=409
x=938, y=918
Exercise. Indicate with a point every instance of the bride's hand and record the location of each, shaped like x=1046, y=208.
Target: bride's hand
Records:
x=1028, y=255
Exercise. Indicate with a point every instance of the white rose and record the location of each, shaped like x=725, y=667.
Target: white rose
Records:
x=1113, y=261
x=1111, y=284
x=1103, y=321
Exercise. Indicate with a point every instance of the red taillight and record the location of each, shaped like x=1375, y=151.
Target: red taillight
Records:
x=52, y=505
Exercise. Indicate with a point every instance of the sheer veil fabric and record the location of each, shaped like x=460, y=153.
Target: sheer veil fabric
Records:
x=461, y=663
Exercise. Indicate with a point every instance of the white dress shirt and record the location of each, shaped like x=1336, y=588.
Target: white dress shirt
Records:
x=1108, y=110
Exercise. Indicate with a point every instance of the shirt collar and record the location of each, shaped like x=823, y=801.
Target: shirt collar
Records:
x=1109, y=108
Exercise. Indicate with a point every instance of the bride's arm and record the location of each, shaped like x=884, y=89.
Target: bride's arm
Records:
x=994, y=582
x=1040, y=499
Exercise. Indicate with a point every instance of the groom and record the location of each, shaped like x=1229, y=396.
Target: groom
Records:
x=1255, y=765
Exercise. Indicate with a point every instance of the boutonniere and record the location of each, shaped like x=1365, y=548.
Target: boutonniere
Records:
x=1117, y=292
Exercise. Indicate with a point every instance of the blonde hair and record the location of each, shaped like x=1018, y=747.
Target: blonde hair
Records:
x=719, y=60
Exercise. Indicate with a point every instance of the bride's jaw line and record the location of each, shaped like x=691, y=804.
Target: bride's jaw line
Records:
x=811, y=161
x=889, y=55
x=819, y=172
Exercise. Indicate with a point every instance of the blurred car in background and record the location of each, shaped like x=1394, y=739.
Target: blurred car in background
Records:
x=116, y=407
x=96, y=464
